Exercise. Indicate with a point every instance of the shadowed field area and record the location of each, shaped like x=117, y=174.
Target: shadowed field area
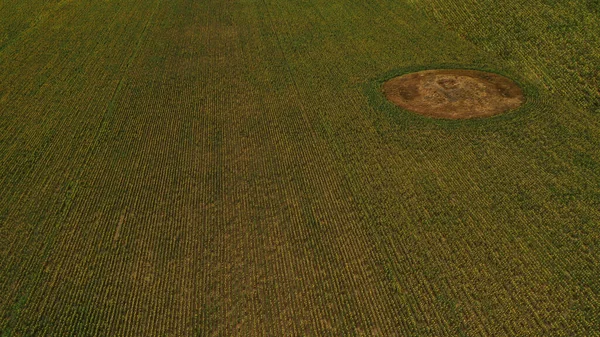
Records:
x=233, y=168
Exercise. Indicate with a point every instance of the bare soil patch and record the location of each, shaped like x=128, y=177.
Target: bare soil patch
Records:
x=454, y=93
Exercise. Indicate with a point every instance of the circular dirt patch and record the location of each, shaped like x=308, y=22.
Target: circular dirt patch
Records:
x=454, y=93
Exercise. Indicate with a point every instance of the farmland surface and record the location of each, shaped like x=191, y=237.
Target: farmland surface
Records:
x=231, y=168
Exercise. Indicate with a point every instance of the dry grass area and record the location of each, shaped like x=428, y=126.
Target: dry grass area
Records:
x=454, y=93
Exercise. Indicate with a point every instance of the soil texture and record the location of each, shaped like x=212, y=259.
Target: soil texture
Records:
x=454, y=93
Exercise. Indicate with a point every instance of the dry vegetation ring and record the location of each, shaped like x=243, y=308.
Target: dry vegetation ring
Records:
x=454, y=93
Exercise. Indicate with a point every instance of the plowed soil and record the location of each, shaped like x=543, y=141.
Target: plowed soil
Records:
x=454, y=93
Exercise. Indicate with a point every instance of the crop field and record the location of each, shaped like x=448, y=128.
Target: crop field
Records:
x=233, y=168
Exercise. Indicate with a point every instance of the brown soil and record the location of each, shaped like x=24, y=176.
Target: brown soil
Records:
x=454, y=93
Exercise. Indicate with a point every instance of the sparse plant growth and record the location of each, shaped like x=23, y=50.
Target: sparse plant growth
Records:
x=454, y=93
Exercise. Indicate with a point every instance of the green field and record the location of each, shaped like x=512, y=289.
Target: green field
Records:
x=231, y=168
